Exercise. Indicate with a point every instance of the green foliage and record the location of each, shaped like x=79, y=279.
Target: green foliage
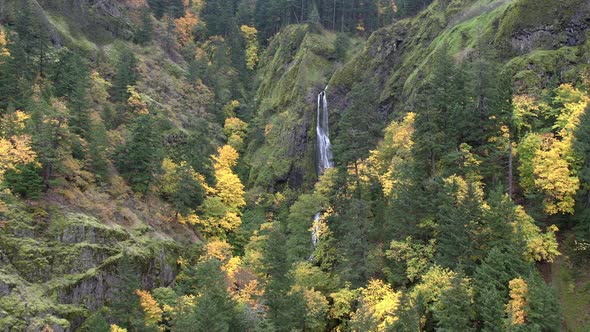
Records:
x=341, y=46
x=418, y=257
x=144, y=33
x=455, y=311
x=140, y=159
x=25, y=180
x=125, y=76
x=458, y=219
x=213, y=310
x=97, y=322
x=358, y=127
x=125, y=308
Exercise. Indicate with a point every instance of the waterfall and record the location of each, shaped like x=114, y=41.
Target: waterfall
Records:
x=324, y=156
x=323, y=134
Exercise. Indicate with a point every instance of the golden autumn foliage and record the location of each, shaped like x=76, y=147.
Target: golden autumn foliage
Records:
x=249, y=34
x=548, y=163
x=14, y=149
x=136, y=102
x=229, y=188
x=151, y=310
x=395, y=150
x=555, y=178
x=378, y=304
x=3, y=43
x=218, y=249
x=539, y=246
x=185, y=26
x=235, y=131
x=116, y=328
x=516, y=307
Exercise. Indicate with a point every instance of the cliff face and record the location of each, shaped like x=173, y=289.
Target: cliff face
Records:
x=538, y=42
x=294, y=69
x=529, y=36
x=57, y=267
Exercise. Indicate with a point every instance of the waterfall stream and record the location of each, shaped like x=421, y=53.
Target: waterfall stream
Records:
x=324, y=155
x=323, y=134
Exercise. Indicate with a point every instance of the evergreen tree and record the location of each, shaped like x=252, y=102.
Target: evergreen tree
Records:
x=502, y=264
x=145, y=32
x=71, y=81
x=125, y=307
x=544, y=308
x=454, y=311
x=189, y=193
x=286, y=309
x=458, y=220
x=439, y=103
x=98, y=159
x=125, y=75
x=581, y=147
x=213, y=309
x=352, y=230
x=219, y=17
x=358, y=130
x=140, y=159
x=25, y=180
x=51, y=137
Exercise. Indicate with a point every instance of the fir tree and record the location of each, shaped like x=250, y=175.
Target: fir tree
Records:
x=125, y=75
x=145, y=32
x=454, y=311
x=140, y=158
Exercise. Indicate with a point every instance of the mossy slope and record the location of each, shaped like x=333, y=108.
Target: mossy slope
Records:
x=57, y=267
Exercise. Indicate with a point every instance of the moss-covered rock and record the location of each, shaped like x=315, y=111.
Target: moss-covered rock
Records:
x=56, y=267
x=296, y=66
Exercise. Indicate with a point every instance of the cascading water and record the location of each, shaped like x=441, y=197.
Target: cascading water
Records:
x=323, y=134
x=324, y=156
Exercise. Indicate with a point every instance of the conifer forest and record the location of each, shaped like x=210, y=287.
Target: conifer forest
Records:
x=294, y=165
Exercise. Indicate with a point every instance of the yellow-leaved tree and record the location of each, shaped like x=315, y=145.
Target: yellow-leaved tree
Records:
x=15, y=146
x=235, y=131
x=517, y=306
x=378, y=305
x=222, y=207
x=3, y=43
x=151, y=310
x=392, y=153
x=249, y=34
x=548, y=163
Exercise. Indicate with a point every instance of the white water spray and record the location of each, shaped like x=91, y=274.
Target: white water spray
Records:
x=323, y=134
x=324, y=157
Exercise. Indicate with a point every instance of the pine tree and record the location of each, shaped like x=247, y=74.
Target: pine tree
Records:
x=352, y=230
x=502, y=264
x=189, y=193
x=140, y=158
x=71, y=80
x=145, y=32
x=25, y=180
x=125, y=75
x=125, y=307
x=581, y=147
x=98, y=159
x=440, y=102
x=213, y=310
x=458, y=220
x=454, y=311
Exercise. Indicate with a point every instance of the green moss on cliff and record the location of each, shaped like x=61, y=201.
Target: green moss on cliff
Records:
x=296, y=66
x=59, y=266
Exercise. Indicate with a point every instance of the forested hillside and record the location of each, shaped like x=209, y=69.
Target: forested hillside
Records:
x=281, y=165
